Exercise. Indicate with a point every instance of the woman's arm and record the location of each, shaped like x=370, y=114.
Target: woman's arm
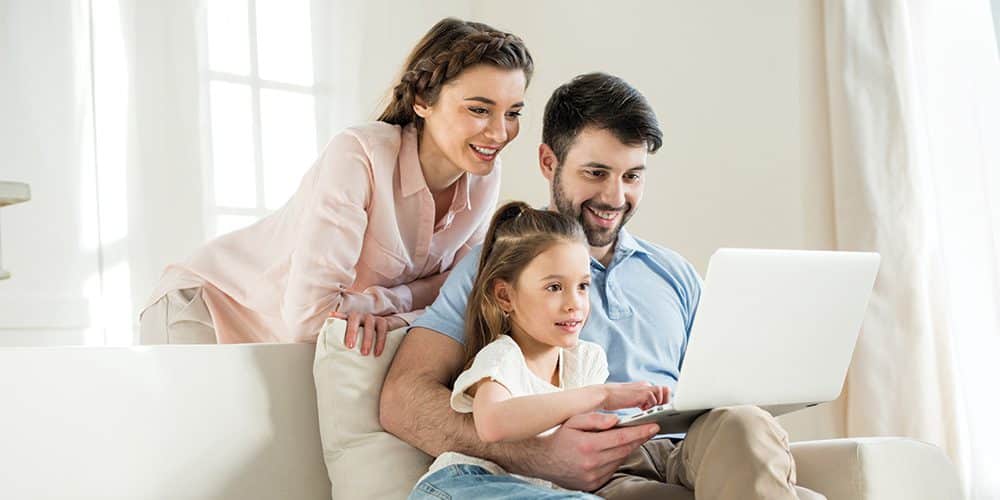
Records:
x=329, y=244
x=500, y=417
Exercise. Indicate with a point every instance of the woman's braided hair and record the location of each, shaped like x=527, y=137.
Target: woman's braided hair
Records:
x=451, y=46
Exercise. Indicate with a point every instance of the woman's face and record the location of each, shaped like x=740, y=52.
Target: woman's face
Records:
x=476, y=114
x=550, y=301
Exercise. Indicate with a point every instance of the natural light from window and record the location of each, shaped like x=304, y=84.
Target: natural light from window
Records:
x=262, y=107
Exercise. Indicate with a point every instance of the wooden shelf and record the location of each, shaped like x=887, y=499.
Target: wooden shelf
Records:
x=13, y=192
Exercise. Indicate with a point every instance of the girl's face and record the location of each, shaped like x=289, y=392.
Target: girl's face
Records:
x=476, y=114
x=550, y=302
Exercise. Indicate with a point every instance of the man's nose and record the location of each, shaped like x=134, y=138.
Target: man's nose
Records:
x=614, y=194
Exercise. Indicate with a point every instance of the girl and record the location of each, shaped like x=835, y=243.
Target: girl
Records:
x=378, y=220
x=527, y=369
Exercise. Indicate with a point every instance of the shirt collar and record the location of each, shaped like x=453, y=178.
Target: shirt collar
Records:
x=625, y=246
x=411, y=176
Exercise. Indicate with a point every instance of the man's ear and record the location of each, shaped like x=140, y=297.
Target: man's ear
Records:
x=502, y=294
x=420, y=107
x=547, y=161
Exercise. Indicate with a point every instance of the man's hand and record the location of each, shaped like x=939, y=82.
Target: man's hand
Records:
x=374, y=332
x=585, y=451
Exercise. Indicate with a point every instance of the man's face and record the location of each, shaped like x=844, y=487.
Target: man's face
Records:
x=600, y=183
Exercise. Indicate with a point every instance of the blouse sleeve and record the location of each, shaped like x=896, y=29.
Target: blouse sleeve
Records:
x=329, y=245
x=499, y=362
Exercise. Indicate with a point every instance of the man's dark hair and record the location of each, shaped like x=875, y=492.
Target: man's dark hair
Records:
x=602, y=101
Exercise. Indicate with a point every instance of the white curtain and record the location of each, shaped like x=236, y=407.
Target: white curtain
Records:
x=105, y=112
x=914, y=89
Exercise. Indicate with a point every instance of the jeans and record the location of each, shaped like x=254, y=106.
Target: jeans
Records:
x=471, y=481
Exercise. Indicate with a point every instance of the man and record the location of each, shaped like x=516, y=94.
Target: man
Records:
x=596, y=136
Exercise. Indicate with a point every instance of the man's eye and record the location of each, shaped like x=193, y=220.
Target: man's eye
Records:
x=596, y=173
x=632, y=177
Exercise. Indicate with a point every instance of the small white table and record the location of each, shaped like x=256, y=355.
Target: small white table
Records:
x=11, y=193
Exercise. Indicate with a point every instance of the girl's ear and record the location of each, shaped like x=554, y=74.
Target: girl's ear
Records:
x=502, y=294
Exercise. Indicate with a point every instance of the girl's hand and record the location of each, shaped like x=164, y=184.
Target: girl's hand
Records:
x=375, y=330
x=641, y=395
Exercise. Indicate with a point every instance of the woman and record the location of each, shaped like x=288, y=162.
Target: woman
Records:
x=377, y=221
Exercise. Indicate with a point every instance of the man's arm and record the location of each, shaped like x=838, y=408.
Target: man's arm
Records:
x=415, y=406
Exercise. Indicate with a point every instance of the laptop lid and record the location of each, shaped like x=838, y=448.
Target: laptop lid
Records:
x=775, y=328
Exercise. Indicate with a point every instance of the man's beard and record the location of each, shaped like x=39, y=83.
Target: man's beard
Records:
x=596, y=236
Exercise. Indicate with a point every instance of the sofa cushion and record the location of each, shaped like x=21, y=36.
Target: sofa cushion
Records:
x=362, y=460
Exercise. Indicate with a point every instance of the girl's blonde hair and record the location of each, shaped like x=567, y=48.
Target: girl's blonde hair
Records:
x=517, y=234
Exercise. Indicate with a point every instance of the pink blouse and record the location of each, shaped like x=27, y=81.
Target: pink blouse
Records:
x=357, y=231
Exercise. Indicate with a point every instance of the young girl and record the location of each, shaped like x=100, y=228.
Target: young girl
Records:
x=378, y=220
x=527, y=370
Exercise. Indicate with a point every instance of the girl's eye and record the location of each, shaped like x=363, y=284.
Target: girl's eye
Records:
x=584, y=286
x=555, y=287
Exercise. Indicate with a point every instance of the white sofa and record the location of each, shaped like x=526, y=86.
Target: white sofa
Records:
x=240, y=422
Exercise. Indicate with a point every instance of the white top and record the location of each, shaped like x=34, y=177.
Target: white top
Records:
x=503, y=362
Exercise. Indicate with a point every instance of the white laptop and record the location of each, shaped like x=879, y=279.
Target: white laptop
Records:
x=774, y=328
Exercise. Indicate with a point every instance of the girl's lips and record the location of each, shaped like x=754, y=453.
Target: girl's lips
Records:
x=570, y=326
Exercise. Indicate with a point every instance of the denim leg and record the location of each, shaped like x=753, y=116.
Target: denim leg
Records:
x=471, y=481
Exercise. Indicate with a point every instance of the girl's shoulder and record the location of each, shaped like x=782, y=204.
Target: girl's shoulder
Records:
x=504, y=347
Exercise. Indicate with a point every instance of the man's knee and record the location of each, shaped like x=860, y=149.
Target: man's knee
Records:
x=743, y=422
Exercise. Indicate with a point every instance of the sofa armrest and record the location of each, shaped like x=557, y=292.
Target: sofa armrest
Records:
x=876, y=468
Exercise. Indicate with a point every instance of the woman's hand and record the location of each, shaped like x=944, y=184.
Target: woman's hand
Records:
x=641, y=395
x=375, y=330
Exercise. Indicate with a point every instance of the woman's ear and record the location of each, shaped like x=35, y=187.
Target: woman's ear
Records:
x=502, y=294
x=420, y=107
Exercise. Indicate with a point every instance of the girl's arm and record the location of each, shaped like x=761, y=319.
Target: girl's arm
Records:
x=500, y=417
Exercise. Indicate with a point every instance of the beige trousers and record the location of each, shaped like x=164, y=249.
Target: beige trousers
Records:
x=179, y=317
x=729, y=453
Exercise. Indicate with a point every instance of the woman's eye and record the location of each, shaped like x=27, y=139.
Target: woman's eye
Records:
x=513, y=114
x=479, y=111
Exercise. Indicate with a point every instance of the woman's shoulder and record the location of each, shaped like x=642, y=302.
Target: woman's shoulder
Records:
x=373, y=136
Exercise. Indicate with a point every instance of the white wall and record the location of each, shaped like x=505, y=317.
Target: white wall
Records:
x=740, y=91
x=738, y=86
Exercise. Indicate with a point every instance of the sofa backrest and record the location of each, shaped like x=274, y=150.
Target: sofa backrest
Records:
x=158, y=422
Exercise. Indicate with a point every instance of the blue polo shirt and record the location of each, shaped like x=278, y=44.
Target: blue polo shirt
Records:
x=642, y=307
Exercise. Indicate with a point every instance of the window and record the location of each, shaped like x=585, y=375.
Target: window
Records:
x=259, y=83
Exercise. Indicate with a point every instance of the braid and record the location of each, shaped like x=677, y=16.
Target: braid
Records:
x=429, y=69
